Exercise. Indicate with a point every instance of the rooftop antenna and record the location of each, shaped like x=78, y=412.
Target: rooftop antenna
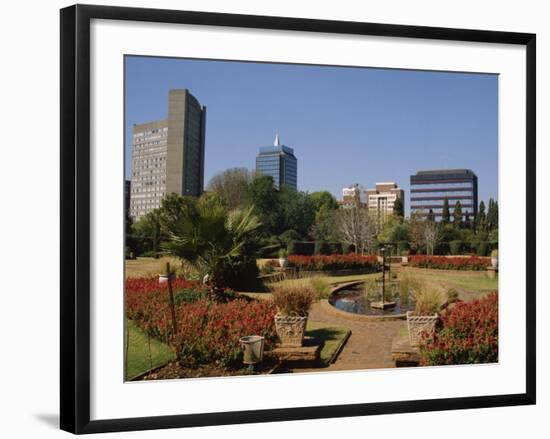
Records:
x=277, y=142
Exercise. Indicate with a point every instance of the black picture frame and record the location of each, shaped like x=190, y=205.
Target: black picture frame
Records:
x=75, y=217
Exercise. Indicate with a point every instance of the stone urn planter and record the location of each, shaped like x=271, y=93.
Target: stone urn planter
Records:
x=290, y=329
x=417, y=324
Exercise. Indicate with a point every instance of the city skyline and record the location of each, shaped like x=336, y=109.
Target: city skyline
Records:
x=353, y=124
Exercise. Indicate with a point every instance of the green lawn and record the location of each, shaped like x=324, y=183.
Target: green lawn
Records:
x=138, y=352
x=332, y=336
x=471, y=280
x=148, y=267
x=470, y=285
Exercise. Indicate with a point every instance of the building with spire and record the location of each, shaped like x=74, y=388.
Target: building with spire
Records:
x=279, y=162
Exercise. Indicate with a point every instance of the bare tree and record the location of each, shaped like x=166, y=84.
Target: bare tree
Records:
x=431, y=235
x=356, y=226
x=416, y=231
x=232, y=186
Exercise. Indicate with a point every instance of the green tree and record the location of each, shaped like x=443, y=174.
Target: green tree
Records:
x=297, y=212
x=416, y=232
x=216, y=241
x=325, y=207
x=387, y=230
x=147, y=232
x=265, y=198
x=399, y=208
x=232, y=186
x=446, y=214
x=492, y=215
x=457, y=215
x=481, y=220
x=173, y=208
x=323, y=200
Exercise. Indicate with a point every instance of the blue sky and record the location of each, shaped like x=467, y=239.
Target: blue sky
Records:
x=346, y=124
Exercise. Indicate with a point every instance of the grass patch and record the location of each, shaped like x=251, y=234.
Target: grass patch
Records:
x=138, y=352
x=472, y=280
x=148, y=267
x=331, y=335
x=329, y=279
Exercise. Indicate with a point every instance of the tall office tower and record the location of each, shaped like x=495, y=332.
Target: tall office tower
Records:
x=429, y=189
x=278, y=161
x=382, y=198
x=168, y=154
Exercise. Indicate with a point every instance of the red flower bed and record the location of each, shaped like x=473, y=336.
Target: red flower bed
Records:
x=468, y=334
x=207, y=331
x=210, y=332
x=450, y=263
x=334, y=262
x=146, y=297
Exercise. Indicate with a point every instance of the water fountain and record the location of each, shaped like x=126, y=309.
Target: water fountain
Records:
x=381, y=297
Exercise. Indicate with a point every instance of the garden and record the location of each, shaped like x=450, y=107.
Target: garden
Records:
x=272, y=281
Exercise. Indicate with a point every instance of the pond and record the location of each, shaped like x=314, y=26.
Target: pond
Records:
x=358, y=299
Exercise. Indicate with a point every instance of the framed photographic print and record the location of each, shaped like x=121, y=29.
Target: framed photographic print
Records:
x=272, y=218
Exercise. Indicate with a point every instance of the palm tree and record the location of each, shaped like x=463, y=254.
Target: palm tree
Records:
x=214, y=240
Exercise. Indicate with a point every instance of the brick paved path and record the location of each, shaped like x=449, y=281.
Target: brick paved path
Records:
x=369, y=346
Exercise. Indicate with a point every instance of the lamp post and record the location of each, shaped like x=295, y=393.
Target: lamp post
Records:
x=383, y=251
x=383, y=305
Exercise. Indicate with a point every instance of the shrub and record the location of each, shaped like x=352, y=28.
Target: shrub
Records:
x=207, y=331
x=291, y=247
x=475, y=263
x=306, y=248
x=442, y=248
x=334, y=248
x=347, y=248
x=319, y=247
x=452, y=295
x=468, y=334
x=289, y=235
x=294, y=299
x=210, y=332
x=456, y=247
x=402, y=246
x=410, y=284
x=427, y=302
x=482, y=248
x=327, y=248
x=320, y=286
x=350, y=261
x=241, y=274
x=189, y=295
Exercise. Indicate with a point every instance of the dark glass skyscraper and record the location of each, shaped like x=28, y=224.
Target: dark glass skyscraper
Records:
x=280, y=163
x=429, y=189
